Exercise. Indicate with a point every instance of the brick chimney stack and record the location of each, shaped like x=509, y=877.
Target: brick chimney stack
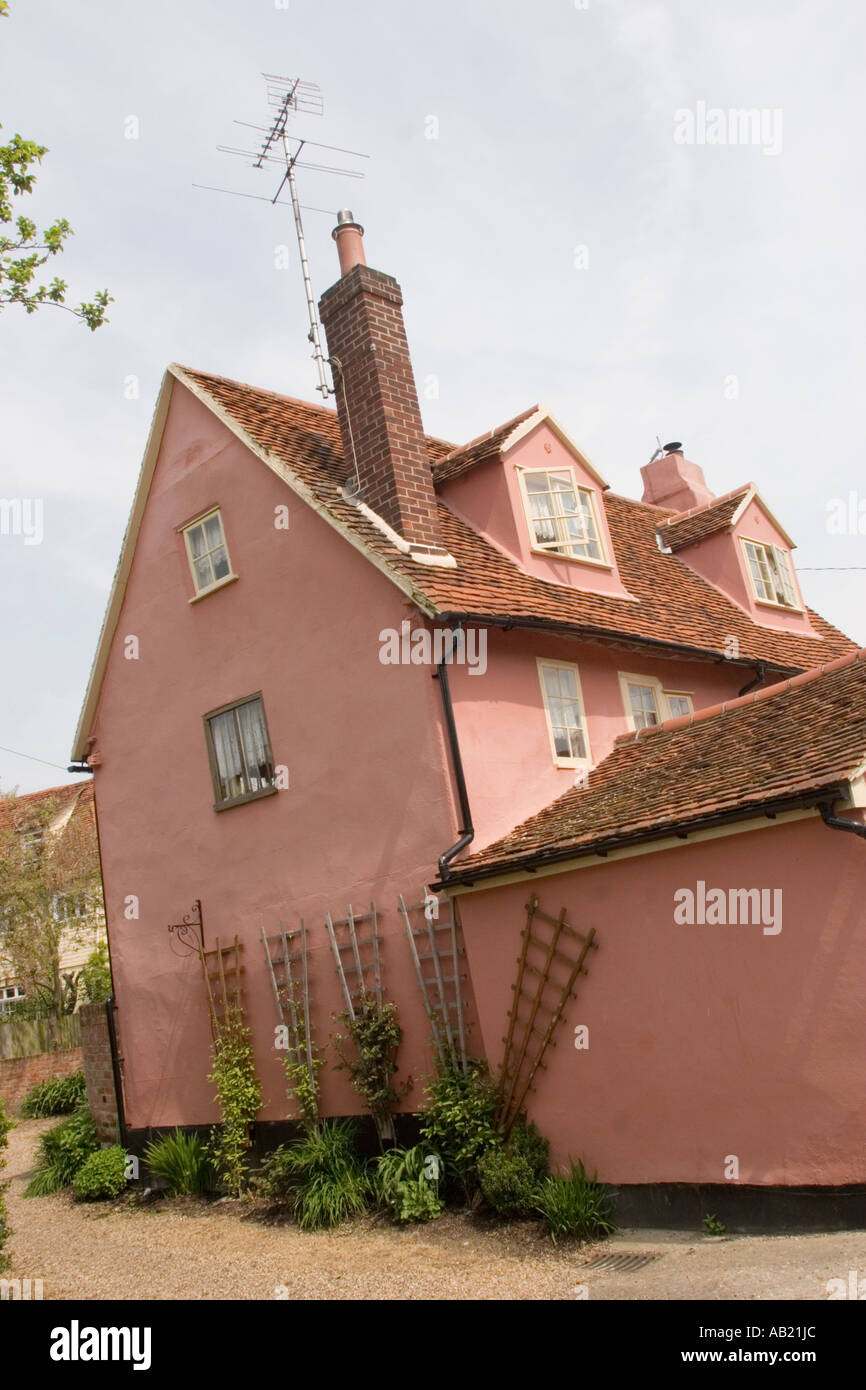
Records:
x=674, y=481
x=377, y=403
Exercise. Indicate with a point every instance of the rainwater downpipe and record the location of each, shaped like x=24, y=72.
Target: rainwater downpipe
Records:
x=854, y=827
x=467, y=830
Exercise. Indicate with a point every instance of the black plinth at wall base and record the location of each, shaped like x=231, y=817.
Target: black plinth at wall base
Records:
x=740, y=1208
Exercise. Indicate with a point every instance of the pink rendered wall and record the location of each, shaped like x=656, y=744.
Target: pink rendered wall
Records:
x=489, y=498
x=507, y=759
x=368, y=807
x=721, y=560
x=704, y=1041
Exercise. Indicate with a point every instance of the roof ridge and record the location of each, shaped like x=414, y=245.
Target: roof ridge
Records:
x=489, y=434
x=708, y=506
x=767, y=692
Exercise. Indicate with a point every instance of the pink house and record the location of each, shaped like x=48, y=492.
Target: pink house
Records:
x=635, y=702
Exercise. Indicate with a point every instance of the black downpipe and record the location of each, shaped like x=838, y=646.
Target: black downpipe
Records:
x=115, y=1067
x=855, y=827
x=760, y=674
x=467, y=830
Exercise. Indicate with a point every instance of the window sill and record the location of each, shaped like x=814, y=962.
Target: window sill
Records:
x=242, y=800
x=778, y=607
x=572, y=559
x=212, y=588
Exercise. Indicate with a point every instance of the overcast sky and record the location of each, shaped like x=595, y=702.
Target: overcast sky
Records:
x=566, y=237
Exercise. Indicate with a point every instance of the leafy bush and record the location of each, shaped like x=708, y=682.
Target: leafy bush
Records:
x=62, y=1151
x=376, y=1034
x=320, y=1177
x=508, y=1182
x=5, y=1232
x=407, y=1183
x=575, y=1205
x=181, y=1160
x=459, y=1122
x=58, y=1095
x=94, y=980
x=101, y=1176
x=239, y=1095
x=526, y=1141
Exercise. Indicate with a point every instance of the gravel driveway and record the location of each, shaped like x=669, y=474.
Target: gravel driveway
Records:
x=193, y=1250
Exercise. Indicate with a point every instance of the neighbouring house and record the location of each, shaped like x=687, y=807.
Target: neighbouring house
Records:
x=345, y=664
x=54, y=876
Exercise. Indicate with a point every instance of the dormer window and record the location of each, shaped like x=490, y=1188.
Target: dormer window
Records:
x=207, y=552
x=561, y=515
x=771, y=574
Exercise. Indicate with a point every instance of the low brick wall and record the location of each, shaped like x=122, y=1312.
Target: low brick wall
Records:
x=98, y=1070
x=20, y=1074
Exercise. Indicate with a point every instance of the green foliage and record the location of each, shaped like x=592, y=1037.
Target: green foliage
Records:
x=5, y=1232
x=319, y=1178
x=181, y=1160
x=101, y=1176
x=508, y=1182
x=526, y=1141
x=58, y=1095
x=575, y=1205
x=407, y=1183
x=239, y=1095
x=94, y=980
x=459, y=1122
x=713, y=1226
x=376, y=1034
x=302, y=1082
x=62, y=1151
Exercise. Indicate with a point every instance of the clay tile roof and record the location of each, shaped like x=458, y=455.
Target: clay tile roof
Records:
x=15, y=808
x=671, y=604
x=486, y=446
x=685, y=528
x=802, y=736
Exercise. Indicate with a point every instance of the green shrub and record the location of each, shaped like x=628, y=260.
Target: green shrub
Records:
x=575, y=1205
x=508, y=1182
x=320, y=1178
x=459, y=1122
x=5, y=1232
x=375, y=1031
x=526, y=1141
x=407, y=1183
x=58, y=1095
x=94, y=980
x=62, y=1151
x=101, y=1176
x=181, y=1160
x=239, y=1095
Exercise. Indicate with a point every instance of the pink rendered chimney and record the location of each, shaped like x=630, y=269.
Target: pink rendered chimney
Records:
x=674, y=481
x=387, y=463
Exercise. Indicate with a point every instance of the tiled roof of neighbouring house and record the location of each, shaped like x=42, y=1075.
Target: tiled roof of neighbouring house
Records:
x=802, y=736
x=685, y=528
x=672, y=605
x=16, y=808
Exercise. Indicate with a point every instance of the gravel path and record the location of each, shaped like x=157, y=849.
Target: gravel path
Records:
x=194, y=1250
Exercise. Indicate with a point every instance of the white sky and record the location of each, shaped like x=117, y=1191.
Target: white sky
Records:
x=556, y=130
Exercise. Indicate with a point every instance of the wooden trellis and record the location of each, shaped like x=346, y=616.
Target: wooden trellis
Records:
x=222, y=971
x=286, y=955
x=551, y=960
x=355, y=942
x=437, y=967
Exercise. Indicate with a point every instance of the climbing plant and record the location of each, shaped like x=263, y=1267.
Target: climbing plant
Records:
x=239, y=1095
x=375, y=1032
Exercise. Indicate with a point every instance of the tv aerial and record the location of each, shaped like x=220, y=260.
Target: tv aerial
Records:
x=287, y=98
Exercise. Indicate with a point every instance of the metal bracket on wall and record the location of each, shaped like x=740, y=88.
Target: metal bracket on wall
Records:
x=189, y=931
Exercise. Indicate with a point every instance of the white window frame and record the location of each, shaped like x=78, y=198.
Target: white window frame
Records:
x=662, y=698
x=186, y=530
x=773, y=555
x=560, y=550
x=559, y=759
